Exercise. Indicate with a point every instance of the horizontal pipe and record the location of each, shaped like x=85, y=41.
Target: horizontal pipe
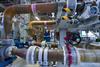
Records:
x=89, y=45
x=32, y=23
x=90, y=55
x=58, y=55
x=20, y=52
x=54, y=54
x=11, y=11
x=47, y=22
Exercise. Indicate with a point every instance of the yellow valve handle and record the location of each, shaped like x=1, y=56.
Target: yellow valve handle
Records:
x=67, y=10
x=65, y=18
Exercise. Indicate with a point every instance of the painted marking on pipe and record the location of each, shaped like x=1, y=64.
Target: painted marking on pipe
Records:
x=33, y=7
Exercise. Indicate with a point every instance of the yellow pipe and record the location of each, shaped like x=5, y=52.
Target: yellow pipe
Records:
x=31, y=30
x=49, y=22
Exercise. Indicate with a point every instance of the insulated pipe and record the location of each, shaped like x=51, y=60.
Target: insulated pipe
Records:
x=58, y=55
x=11, y=11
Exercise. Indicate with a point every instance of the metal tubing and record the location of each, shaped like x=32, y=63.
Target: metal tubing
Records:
x=52, y=54
x=90, y=55
x=57, y=55
x=20, y=52
x=23, y=9
x=89, y=46
x=47, y=22
x=33, y=23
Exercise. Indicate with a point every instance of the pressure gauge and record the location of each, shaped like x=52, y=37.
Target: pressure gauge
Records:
x=94, y=10
x=99, y=8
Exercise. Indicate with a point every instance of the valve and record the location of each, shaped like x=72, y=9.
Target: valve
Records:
x=72, y=38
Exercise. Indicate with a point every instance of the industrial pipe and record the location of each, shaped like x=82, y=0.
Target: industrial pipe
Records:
x=43, y=56
x=11, y=11
x=89, y=55
x=47, y=22
x=6, y=52
x=36, y=54
x=32, y=23
x=89, y=45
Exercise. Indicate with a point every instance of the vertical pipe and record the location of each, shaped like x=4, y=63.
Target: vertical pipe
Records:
x=62, y=35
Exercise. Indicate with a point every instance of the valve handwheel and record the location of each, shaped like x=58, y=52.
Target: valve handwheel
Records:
x=73, y=38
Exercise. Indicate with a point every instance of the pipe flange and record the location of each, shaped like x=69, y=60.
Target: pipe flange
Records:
x=40, y=56
x=2, y=53
x=74, y=55
x=77, y=55
x=33, y=54
x=28, y=55
x=9, y=50
x=65, y=56
x=45, y=58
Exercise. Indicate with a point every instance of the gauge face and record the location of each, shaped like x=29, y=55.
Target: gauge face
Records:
x=93, y=10
x=99, y=8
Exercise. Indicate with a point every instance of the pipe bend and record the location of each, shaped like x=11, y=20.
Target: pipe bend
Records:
x=23, y=9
